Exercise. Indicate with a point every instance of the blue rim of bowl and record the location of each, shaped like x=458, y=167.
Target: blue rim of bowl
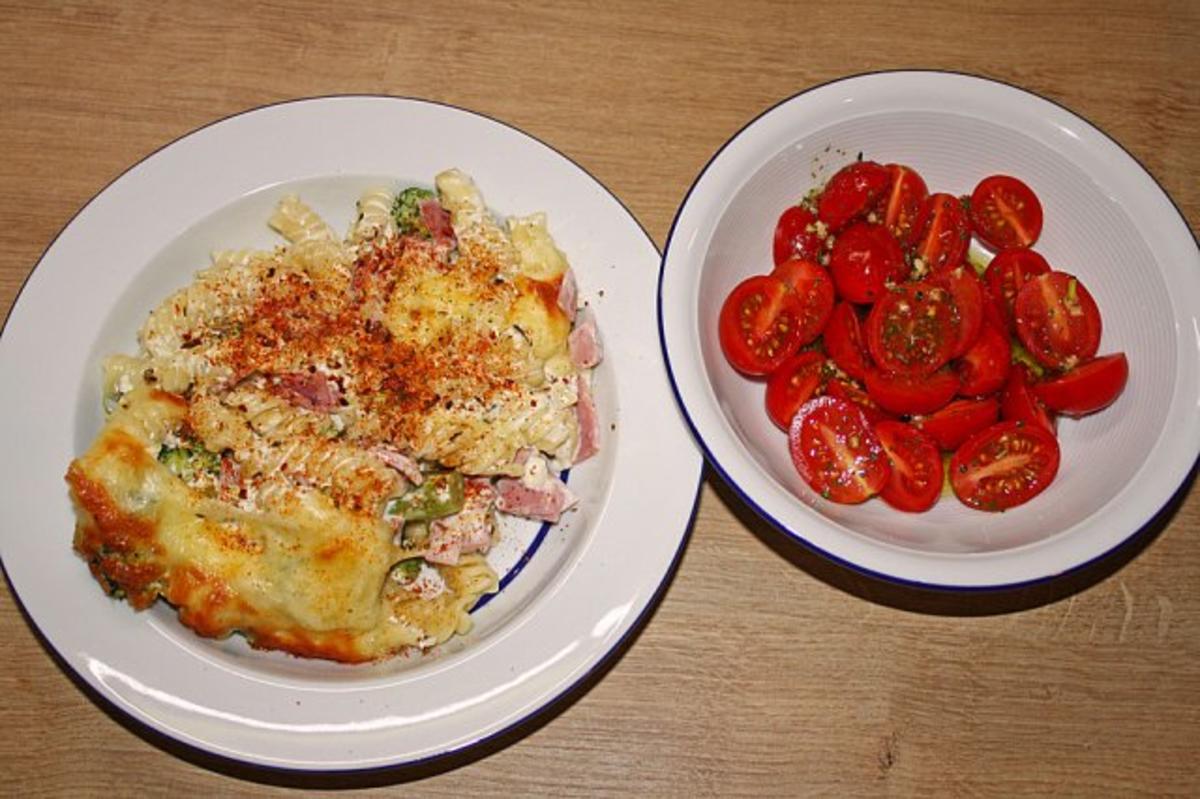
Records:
x=601, y=663
x=746, y=498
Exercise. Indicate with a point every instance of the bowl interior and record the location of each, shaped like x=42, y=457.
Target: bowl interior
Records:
x=1087, y=232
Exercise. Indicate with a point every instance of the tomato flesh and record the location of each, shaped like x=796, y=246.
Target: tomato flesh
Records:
x=916, y=480
x=1004, y=466
x=1007, y=273
x=907, y=394
x=902, y=203
x=1018, y=403
x=1057, y=320
x=984, y=367
x=1005, y=213
x=950, y=426
x=913, y=330
x=792, y=384
x=760, y=325
x=796, y=236
x=850, y=392
x=945, y=232
x=1087, y=388
x=865, y=258
x=836, y=452
x=845, y=342
x=851, y=192
x=969, y=302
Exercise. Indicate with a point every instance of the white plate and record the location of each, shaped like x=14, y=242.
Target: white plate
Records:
x=1106, y=220
x=592, y=578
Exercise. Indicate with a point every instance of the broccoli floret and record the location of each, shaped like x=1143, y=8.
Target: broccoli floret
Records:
x=189, y=463
x=406, y=210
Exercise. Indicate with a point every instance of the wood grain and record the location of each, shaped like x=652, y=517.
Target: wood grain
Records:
x=766, y=670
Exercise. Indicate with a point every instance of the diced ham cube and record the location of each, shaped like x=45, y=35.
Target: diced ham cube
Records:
x=584, y=341
x=568, y=295
x=437, y=219
x=535, y=495
x=469, y=530
x=589, y=422
x=312, y=390
x=401, y=463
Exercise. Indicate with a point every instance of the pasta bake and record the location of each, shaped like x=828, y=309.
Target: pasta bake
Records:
x=312, y=443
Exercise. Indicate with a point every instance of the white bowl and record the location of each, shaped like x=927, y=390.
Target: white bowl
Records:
x=1107, y=221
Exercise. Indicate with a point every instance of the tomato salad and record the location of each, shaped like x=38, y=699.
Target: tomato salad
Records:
x=896, y=364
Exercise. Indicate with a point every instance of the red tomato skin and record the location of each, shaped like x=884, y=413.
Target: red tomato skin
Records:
x=906, y=394
x=1064, y=332
x=1018, y=403
x=969, y=302
x=1089, y=387
x=796, y=236
x=855, y=475
x=1006, y=274
x=913, y=329
x=864, y=259
x=851, y=192
x=849, y=392
x=984, y=367
x=945, y=232
x=950, y=426
x=749, y=326
x=1036, y=455
x=901, y=204
x=791, y=385
x=916, y=480
x=1005, y=213
x=845, y=342
x=811, y=283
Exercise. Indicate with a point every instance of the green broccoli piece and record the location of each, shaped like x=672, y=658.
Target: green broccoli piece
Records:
x=189, y=463
x=406, y=210
x=440, y=495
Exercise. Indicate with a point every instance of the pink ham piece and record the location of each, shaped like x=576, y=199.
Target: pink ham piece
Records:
x=536, y=495
x=437, y=219
x=469, y=530
x=568, y=295
x=312, y=390
x=584, y=341
x=401, y=463
x=589, y=422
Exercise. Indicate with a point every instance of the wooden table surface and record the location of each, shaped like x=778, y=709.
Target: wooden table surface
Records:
x=765, y=670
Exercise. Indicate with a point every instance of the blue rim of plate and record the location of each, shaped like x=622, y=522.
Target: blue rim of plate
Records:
x=599, y=666
x=712, y=461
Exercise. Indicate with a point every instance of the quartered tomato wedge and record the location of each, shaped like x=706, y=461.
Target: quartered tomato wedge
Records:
x=1005, y=213
x=851, y=192
x=1007, y=273
x=901, y=204
x=836, y=452
x=864, y=259
x=845, y=342
x=1057, y=320
x=792, y=384
x=913, y=329
x=1004, y=466
x=984, y=367
x=907, y=394
x=761, y=323
x=1018, y=403
x=1087, y=388
x=958, y=421
x=945, y=232
x=969, y=301
x=916, y=480
x=796, y=236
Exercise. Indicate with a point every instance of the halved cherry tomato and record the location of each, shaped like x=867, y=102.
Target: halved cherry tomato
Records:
x=916, y=481
x=901, y=204
x=865, y=258
x=851, y=192
x=1057, y=320
x=1018, y=403
x=958, y=421
x=761, y=324
x=844, y=341
x=945, y=232
x=1087, y=388
x=913, y=330
x=1007, y=273
x=795, y=235
x=1005, y=213
x=850, y=392
x=904, y=394
x=968, y=292
x=812, y=284
x=836, y=452
x=984, y=367
x=792, y=384
x=1004, y=466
